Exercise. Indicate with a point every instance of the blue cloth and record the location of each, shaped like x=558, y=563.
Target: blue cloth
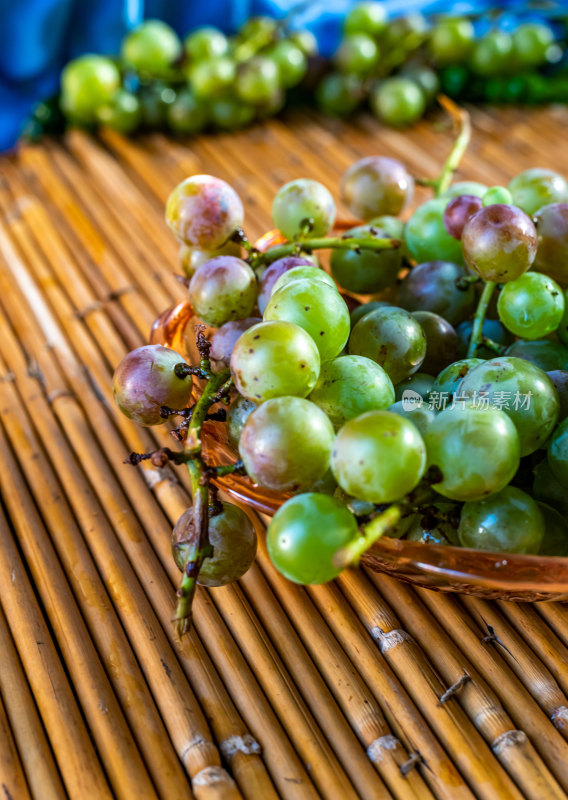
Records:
x=37, y=37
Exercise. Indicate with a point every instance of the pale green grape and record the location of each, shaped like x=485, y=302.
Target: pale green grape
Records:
x=303, y=202
x=509, y=521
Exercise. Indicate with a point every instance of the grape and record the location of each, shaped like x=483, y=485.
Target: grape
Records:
x=426, y=236
x=151, y=48
x=555, y=539
x=557, y=454
x=229, y=114
x=317, y=308
x=531, y=41
x=537, y=187
x=225, y=338
x=552, y=230
x=187, y=114
x=378, y=456
x=204, y=43
x=441, y=341
x=499, y=243
x=257, y=80
x=302, y=201
x=87, y=83
x=305, y=534
x=451, y=40
x=532, y=306
x=477, y=451
x=232, y=537
x=145, y=380
x=307, y=272
x=398, y=101
x=507, y=522
x=525, y=392
x=465, y=187
x=192, y=257
x=349, y=386
x=492, y=54
x=273, y=359
x=122, y=114
x=204, y=212
x=358, y=54
x=263, y=29
x=291, y=62
x=376, y=185
x=367, y=270
x=339, y=95
x=305, y=40
x=212, y=77
x=393, y=227
x=155, y=99
x=559, y=378
x=454, y=80
x=449, y=378
x=491, y=328
x=236, y=417
x=547, y=489
x=223, y=289
x=365, y=308
x=408, y=31
x=433, y=286
x=458, y=211
x=420, y=382
x=391, y=337
x=286, y=444
x=367, y=17
x=497, y=194
x=272, y=106
x=420, y=414
x=275, y=271
x=545, y=354
x=426, y=79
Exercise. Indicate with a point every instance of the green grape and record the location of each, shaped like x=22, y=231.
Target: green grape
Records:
x=349, y=386
x=122, y=114
x=426, y=236
x=151, y=48
x=378, y=456
x=492, y=54
x=476, y=449
x=325, y=485
x=441, y=341
x=317, y=308
x=537, y=187
x=497, y=194
x=407, y=31
x=274, y=359
x=233, y=538
x=223, y=289
x=192, y=257
x=145, y=380
x=155, y=99
x=419, y=414
x=286, y=444
x=499, y=243
x=398, y=101
x=555, y=539
x=560, y=380
x=545, y=354
x=204, y=43
x=551, y=223
x=230, y=114
x=367, y=17
x=393, y=226
x=257, y=80
x=465, y=187
x=204, y=212
x=454, y=80
x=449, y=379
x=524, y=392
x=451, y=40
x=562, y=330
x=87, y=83
x=212, y=78
x=514, y=92
x=491, y=328
x=426, y=79
x=364, y=309
x=358, y=54
x=339, y=95
x=305, y=534
x=307, y=272
x=305, y=40
x=547, y=489
x=187, y=114
x=393, y=339
x=420, y=383
x=507, y=522
x=434, y=286
x=236, y=417
x=531, y=42
x=367, y=270
x=557, y=454
x=376, y=185
x=291, y=62
x=272, y=106
x=300, y=202
x=263, y=29
x=532, y=306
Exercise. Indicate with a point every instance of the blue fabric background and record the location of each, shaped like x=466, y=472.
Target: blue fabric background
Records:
x=37, y=37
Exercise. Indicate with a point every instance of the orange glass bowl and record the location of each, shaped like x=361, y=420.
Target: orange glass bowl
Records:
x=441, y=567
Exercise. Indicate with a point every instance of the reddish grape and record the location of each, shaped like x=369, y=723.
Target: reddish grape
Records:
x=223, y=289
x=552, y=230
x=223, y=340
x=458, y=211
x=204, y=212
x=442, y=342
x=376, y=185
x=434, y=286
x=273, y=272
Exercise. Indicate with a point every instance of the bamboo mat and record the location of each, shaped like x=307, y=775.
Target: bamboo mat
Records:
x=340, y=691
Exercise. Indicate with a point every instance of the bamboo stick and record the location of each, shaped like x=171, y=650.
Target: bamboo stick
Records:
x=12, y=779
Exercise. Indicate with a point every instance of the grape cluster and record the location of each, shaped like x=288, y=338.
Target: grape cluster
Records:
x=422, y=393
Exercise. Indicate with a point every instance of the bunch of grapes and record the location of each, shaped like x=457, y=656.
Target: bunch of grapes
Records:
x=417, y=387
x=207, y=81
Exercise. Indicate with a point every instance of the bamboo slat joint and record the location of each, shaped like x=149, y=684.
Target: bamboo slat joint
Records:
x=375, y=751
x=246, y=744
x=213, y=776
x=389, y=639
x=508, y=739
x=412, y=761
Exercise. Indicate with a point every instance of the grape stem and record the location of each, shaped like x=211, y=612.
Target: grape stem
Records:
x=323, y=243
x=476, y=331
x=463, y=124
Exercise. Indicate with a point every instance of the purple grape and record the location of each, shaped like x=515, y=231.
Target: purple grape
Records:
x=145, y=380
x=376, y=185
x=223, y=340
x=433, y=286
x=499, y=243
x=442, y=343
x=559, y=378
x=223, y=289
x=273, y=272
x=552, y=230
x=458, y=211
